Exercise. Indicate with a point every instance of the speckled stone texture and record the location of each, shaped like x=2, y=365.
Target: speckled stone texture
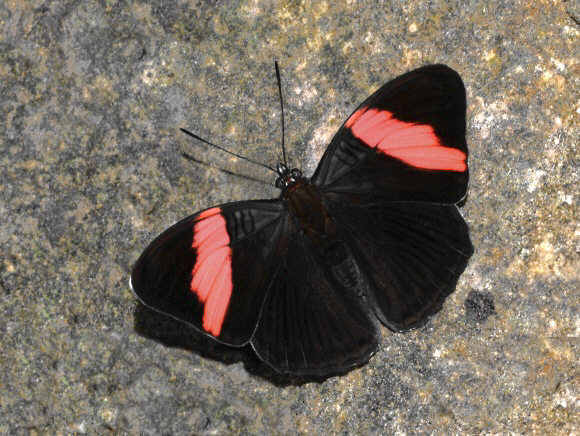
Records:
x=92, y=168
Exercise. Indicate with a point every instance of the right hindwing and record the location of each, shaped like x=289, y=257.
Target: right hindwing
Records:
x=411, y=254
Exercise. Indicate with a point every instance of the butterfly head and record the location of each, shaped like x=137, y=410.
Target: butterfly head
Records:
x=287, y=177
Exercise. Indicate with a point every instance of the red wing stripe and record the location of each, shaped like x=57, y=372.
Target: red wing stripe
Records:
x=354, y=117
x=414, y=144
x=204, y=267
x=217, y=301
x=209, y=212
x=212, y=272
x=208, y=246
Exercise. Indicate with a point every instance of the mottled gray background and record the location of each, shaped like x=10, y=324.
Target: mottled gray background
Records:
x=91, y=169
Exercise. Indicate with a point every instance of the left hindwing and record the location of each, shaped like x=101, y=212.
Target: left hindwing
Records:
x=405, y=142
x=213, y=269
x=311, y=323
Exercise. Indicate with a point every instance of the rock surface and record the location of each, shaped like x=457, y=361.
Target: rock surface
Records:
x=92, y=168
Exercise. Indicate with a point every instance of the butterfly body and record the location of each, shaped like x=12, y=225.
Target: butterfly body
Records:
x=374, y=236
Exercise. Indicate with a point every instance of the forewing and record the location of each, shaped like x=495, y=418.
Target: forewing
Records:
x=310, y=324
x=405, y=142
x=412, y=255
x=212, y=269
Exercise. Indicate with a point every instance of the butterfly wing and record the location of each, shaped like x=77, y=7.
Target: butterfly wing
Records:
x=213, y=269
x=311, y=323
x=251, y=272
x=411, y=253
x=390, y=178
x=405, y=142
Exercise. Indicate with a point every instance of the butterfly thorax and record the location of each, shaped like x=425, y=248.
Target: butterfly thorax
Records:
x=302, y=198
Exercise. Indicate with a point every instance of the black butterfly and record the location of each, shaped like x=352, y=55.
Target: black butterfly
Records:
x=374, y=235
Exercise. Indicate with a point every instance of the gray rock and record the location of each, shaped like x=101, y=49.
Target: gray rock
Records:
x=91, y=169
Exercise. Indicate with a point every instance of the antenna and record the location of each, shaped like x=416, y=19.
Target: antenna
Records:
x=231, y=173
x=193, y=135
x=282, y=108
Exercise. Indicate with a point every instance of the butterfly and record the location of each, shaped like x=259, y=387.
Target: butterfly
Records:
x=374, y=236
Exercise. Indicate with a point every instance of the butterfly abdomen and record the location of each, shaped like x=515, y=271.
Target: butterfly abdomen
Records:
x=343, y=267
x=312, y=217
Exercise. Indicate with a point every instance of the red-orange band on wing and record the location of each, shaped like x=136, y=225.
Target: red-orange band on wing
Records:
x=212, y=272
x=414, y=144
